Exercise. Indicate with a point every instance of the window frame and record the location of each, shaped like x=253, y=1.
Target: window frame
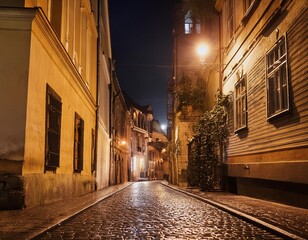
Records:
x=277, y=77
x=52, y=97
x=249, y=6
x=240, y=115
x=188, y=23
x=191, y=24
x=78, y=143
x=230, y=19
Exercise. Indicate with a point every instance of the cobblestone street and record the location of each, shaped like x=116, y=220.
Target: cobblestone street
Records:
x=148, y=210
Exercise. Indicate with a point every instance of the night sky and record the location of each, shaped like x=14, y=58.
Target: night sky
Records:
x=141, y=38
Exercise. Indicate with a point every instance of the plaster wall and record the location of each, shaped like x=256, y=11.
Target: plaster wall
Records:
x=14, y=63
x=185, y=132
x=50, y=65
x=103, y=157
x=103, y=139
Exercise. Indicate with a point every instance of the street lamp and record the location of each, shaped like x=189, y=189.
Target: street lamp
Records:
x=202, y=50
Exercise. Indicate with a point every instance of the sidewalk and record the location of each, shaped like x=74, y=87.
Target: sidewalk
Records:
x=288, y=221
x=29, y=222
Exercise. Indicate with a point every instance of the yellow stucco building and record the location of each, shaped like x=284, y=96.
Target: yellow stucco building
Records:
x=48, y=87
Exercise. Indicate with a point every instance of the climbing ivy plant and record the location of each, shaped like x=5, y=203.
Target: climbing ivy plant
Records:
x=210, y=137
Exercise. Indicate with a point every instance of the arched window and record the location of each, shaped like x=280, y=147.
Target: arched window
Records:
x=192, y=25
x=188, y=23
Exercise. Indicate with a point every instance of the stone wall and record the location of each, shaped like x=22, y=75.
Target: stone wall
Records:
x=11, y=192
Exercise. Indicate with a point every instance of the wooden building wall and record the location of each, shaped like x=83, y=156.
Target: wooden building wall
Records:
x=269, y=159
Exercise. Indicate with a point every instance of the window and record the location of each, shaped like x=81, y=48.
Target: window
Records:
x=138, y=144
x=55, y=19
x=249, y=6
x=240, y=104
x=189, y=24
x=78, y=143
x=53, y=129
x=230, y=20
x=277, y=79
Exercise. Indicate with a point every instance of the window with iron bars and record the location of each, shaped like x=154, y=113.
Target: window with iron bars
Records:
x=78, y=143
x=277, y=79
x=53, y=129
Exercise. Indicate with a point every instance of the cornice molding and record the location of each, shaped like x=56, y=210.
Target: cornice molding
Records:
x=16, y=18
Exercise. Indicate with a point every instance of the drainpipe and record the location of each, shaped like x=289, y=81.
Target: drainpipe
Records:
x=220, y=54
x=97, y=93
x=110, y=124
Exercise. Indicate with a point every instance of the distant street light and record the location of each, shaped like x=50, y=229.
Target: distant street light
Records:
x=163, y=127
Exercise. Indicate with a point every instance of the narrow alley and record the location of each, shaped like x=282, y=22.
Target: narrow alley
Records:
x=149, y=210
x=154, y=119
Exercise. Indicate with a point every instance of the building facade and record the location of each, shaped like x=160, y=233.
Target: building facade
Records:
x=121, y=124
x=141, y=119
x=265, y=66
x=158, y=167
x=192, y=88
x=104, y=74
x=48, y=67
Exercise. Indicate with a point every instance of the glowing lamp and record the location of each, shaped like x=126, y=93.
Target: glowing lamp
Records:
x=202, y=50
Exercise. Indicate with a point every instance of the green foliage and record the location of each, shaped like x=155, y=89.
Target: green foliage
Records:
x=190, y=94
x=210, y=135
x=174, y=148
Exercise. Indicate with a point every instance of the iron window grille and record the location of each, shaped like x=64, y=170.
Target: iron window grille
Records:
x=277, y=79
x=53, y=129
x=78, y=143
x=240, y=104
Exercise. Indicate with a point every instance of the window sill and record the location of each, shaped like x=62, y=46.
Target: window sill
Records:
x=241, y=129
x=278, y=115
x=50, y=169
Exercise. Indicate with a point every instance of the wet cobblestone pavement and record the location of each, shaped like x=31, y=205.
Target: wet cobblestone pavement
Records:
x=148, y=210
x=292, y=219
